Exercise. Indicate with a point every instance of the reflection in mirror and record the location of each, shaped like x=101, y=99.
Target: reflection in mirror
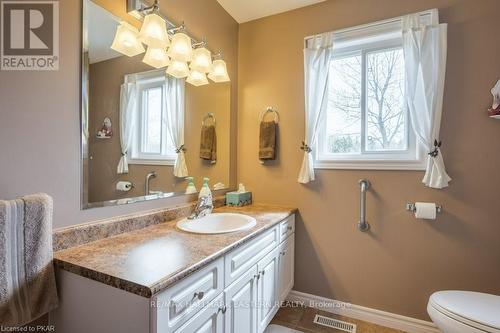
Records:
x=144, y=131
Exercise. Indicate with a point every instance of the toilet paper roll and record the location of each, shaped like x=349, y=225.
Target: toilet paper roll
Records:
x=425, y=210
x=123, y=186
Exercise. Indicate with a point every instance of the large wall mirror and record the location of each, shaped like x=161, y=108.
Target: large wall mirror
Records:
x=145, y=132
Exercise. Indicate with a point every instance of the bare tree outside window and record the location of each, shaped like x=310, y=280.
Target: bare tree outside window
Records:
x=384, y=124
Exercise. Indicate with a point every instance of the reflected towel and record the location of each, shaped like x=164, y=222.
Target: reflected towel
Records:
x=267, y=140
x=27, y=279
x=208, y=144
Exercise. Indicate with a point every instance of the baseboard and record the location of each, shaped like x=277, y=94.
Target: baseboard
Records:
x=374, y=316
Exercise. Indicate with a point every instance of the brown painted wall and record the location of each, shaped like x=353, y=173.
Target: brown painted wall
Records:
x=104, y=101
x=40, y=112
x=402, y=261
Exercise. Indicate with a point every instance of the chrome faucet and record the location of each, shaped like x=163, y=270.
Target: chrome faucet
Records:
x=203, y=208
x=150, y=175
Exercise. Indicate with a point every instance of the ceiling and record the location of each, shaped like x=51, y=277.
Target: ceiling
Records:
x=245, y=10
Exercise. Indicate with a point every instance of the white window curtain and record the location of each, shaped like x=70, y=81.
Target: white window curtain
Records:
x=425, y=48
x=128, y=107
x=317, y=56
x=174, y=102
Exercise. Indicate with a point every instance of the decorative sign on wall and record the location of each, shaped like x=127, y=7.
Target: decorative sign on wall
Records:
x=105, y=132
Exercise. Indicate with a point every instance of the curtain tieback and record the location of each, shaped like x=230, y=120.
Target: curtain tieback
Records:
x=124, y=154
x=435, y=152
x=181, y=148
x=305, y=147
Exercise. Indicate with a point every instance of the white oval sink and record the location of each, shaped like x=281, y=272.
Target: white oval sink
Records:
x=217, y=223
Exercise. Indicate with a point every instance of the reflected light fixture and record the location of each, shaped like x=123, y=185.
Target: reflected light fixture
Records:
x=181, y=48
x=154, y=31
x=126, y=41
x=197, y=78
x=178, y=69
x=202, y=59
x=156, y=57
x=219, y=71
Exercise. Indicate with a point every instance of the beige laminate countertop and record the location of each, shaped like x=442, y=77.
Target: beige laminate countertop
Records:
x=149, y=260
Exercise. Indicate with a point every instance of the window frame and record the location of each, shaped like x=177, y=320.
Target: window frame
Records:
x=362, y=40
x=147, y=81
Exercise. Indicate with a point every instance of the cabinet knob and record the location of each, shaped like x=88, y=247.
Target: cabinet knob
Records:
x=262, y=272
x=283, y=253
x=289, y=228
x=257, y=276
x=222, y=309
x=199, y=295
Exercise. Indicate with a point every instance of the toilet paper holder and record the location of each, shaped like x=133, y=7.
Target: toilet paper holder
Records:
x=411, y=207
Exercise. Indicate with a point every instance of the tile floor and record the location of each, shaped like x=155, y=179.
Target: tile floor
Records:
x=301, y=318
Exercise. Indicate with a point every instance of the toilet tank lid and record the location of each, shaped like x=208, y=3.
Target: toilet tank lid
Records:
x=477, y=307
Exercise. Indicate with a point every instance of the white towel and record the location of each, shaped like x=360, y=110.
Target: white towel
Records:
x=27, y=280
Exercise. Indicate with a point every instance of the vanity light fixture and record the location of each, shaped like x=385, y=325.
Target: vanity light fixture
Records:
x=126, y=41
x=178, y=69
x=197, y=78
x=154, y=29
x=181, y=48
x=202, y=59
x=156, y=57
x=219, y=70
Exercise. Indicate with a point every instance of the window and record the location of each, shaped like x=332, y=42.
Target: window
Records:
x=152, y=144
x=367, y=123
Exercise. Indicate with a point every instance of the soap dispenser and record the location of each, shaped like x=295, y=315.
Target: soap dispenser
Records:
x=190, y=189
x=205, y=192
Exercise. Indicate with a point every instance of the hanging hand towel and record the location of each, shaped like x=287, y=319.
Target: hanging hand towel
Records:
x=208, y=145
x=27, y=280
x=267, y=140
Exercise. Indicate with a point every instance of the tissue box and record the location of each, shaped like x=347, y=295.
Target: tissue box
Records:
x=238, y=198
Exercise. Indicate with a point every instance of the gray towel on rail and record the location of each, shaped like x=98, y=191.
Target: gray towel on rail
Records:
x=27, y=279
x=208, y=144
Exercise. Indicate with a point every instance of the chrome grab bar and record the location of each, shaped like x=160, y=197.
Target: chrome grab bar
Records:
x=364, y=185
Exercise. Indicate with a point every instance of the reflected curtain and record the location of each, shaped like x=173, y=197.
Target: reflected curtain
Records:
x=317, y=56
x=425, y=48
x=128, y=106
x=174, y=103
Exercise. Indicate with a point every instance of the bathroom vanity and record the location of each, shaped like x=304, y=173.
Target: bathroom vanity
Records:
x=160, y=279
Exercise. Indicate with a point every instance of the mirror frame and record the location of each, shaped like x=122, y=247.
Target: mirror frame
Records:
x=84, y=141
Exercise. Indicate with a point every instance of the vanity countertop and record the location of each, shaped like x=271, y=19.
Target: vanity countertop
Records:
x=149, y=260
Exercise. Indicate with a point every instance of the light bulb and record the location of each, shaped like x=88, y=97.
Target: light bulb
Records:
x=156, y=58
x=219, y=72
x=202, y=60
x=154, y=32
x=197, y=78
x=126, y=40
x=178, y=69
x=180, y=48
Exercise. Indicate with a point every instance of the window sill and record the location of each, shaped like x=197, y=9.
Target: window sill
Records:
x=370, y=165
x=151, y=162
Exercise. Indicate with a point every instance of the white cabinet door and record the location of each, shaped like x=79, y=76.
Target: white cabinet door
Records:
x=267, y=293
x=240, y=300
x=286, y=267
x=209, y=319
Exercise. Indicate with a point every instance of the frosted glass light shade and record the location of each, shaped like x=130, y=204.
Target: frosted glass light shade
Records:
x=156, y=58
x=180, y=48
x=219, y=72
x=202, y=60
x=154, y=32
x=178, y=69
x=197, y=78
x=126, y=40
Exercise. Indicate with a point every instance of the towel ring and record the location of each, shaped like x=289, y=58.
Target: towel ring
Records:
x=270, y=109
x=208, y=116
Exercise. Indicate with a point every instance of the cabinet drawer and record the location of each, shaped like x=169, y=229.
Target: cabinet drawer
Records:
x=177, y=304
x=240, y=260
x=287, y=227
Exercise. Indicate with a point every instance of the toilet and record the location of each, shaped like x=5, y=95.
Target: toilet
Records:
x=465, y=312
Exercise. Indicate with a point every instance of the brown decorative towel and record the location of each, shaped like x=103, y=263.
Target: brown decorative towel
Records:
x=208, y=144
x=27, y=279
x=267, y=140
